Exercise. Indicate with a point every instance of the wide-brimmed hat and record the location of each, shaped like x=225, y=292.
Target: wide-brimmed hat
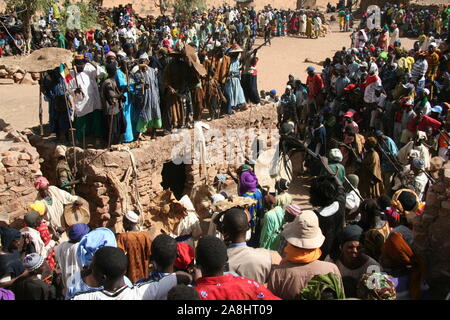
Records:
x=74, y=215
x=236, y=48
x=304, y=231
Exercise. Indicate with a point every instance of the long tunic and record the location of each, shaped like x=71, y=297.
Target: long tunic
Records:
x=270, y=232
x=370, y=176
x=127, y=110
x=146, y=101
x=137, y=246
x=233, y=88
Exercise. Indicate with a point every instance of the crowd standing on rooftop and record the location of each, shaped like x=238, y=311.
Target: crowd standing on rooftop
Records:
x=372, y=129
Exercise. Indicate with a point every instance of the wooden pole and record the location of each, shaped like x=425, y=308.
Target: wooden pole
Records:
x=41, y=126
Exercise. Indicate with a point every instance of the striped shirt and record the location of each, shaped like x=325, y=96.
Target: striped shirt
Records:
x=419, y=69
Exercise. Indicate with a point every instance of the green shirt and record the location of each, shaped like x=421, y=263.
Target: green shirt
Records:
x=337, y=168
x=270, y=232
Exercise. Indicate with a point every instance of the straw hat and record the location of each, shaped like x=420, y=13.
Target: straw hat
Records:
x=74, y=215
x=236, y=48
x=304, y=231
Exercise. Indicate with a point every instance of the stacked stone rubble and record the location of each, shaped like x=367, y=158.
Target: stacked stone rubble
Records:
x=19, y=166
x=110, y=185
x=15, y=74
x=431, y=233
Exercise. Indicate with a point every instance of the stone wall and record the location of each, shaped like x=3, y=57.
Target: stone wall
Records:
x=431, y=233
x=111, y=187
x=19, y=165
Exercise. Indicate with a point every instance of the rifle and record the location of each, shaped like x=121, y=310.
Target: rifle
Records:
x=347, y=147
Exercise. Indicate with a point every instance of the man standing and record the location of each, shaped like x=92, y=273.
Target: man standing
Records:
x=84, y=92
x=314, y=82
x=252, y=263
x=146, y=98
x=389, y=152
x=136, y=244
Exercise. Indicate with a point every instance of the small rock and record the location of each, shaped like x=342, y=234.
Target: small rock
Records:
x=18, y=76
x=35, y=75
x=12, y=69
x=27, y=79
x=6, y=154
x=7, y=80
x=24, y=156
x=9, y=161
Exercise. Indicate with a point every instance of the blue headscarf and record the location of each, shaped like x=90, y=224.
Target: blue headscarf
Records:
x=78, y=231
x=93, y=241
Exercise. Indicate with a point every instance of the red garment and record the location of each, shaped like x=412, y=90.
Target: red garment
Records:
x=46, y=237
x=314, y=84
x=423, y=124
x=230, y=287
x=369, y=80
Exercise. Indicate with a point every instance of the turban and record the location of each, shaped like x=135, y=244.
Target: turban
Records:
x=143, y=56
x=376, y=286
x=7, y=236
x=78, y=231
x=31, y=218
x=60, y=151
x=38, y=206
x=351, y=232
x=33, y=261
x=185, y=256
x=248, y=181
x=273, y=92
x=41, y=183
x=93, y=241
x=89, y=56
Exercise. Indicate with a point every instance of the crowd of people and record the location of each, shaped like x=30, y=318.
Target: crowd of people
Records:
x=372, y=131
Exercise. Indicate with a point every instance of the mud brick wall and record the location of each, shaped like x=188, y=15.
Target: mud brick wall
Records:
x=431, y=232
x=110, y=186
x=19, y=166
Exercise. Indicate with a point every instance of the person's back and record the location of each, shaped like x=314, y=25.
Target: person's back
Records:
x=252, y=263
x=287, y=279
x=27, y=288
x=231, y=287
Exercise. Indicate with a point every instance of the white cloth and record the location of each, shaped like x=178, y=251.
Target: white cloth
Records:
x=36, y=239
x=394, y=36
x=369, y=93
x=55, y=211
x=66, y=258
x=147, y=291
x=352, y=201
x=87, y=80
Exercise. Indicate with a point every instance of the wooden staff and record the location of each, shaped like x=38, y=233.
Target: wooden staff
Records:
x=41, y=126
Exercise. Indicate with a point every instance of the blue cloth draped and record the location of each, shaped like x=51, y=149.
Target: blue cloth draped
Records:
x=92, y=241
x=233, y=87
x=121, y=81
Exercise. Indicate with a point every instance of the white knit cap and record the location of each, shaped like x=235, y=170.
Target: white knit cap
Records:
x=143, y=56
x=132, y=216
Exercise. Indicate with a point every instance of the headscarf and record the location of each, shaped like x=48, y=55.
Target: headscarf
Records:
x=7, y=294
x=401, y=254
x=185, y=256
x=41, y=183
x=31, y=218
x=93, y=241
x=37, y=206
x=321, y=282
x=300, y=255
x=294, y=210
x=78, y=231
x=248, y=182
x=376, y=286
x=7, y=236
